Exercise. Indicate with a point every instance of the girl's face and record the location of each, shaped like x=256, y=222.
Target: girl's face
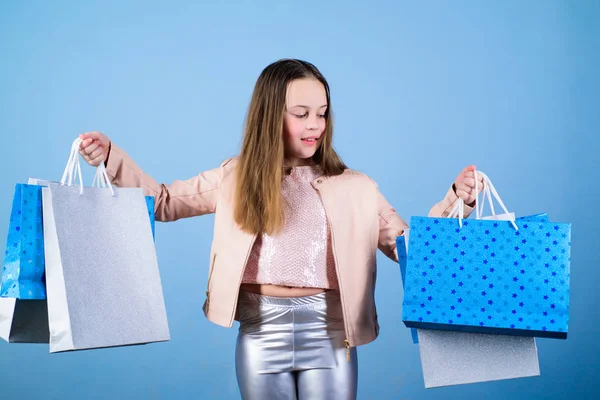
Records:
x=304, y=120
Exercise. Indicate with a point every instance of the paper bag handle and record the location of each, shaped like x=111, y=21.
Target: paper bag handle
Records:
x=73, y=171
x=489, y=190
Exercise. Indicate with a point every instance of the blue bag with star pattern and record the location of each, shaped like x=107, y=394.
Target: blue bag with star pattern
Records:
x=508, y=277
x=23, y=270
x=24, y=266
x=401, y=245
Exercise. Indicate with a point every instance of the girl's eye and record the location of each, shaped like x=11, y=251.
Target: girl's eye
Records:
x=306, y=115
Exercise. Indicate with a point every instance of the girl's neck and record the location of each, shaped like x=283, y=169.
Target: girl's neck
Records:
x=298, y=162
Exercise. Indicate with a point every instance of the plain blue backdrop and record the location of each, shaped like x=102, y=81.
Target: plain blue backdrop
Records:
x=419, y=91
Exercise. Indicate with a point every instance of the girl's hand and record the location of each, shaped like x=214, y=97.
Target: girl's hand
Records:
x=464, y=185
x=94, y=147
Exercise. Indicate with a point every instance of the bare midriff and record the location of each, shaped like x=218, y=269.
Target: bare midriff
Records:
x=281, y=291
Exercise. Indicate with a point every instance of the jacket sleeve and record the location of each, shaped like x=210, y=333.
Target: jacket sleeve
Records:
x=442, y=208
x=181, y=199
x=391, y=225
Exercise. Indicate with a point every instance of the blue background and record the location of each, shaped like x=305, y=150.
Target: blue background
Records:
x=419, y=91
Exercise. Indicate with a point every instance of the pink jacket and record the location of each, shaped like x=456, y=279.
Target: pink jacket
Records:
x=360, y=218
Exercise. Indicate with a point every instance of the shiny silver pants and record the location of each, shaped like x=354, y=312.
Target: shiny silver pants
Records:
x=293, y=348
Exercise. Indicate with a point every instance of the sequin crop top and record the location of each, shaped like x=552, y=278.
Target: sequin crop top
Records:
x=300, y=254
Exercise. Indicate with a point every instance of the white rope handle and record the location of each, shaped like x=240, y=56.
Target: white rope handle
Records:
x=73, y=167
x=488, y=191
x=490, y=187
x=98, y=182
x=101, y=179
x=488, y=195
x=73, y=170
x=458, y=211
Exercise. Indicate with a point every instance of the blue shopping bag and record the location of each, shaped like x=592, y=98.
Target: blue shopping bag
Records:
x=488, y=276
x=23, y=270
x=402, y=257
x=150, y=207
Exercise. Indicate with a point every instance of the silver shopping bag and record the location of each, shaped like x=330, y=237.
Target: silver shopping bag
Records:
x=23, y=321
x=454, y=358
x=102, y=277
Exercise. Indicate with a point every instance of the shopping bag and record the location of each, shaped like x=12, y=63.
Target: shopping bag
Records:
x=454, y=358
x=488, y=276
x=23, y=269
x=99, y=179
x=457, y=358
x=102, y=277
x=23, y=321
x=402, y=249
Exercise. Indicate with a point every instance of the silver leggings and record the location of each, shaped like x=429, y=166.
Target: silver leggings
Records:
x=293, y=348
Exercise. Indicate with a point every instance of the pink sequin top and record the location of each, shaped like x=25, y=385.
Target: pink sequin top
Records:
x=300, y=254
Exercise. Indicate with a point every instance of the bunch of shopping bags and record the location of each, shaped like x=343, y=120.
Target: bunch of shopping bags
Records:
x=80, y=268
x=478, y=292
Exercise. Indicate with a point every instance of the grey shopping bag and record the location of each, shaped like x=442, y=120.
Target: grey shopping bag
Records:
x=103, y=283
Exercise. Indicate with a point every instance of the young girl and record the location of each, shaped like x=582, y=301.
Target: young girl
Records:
x=295, y=238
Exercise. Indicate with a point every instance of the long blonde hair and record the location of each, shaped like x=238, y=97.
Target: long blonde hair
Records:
x=258, y=200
